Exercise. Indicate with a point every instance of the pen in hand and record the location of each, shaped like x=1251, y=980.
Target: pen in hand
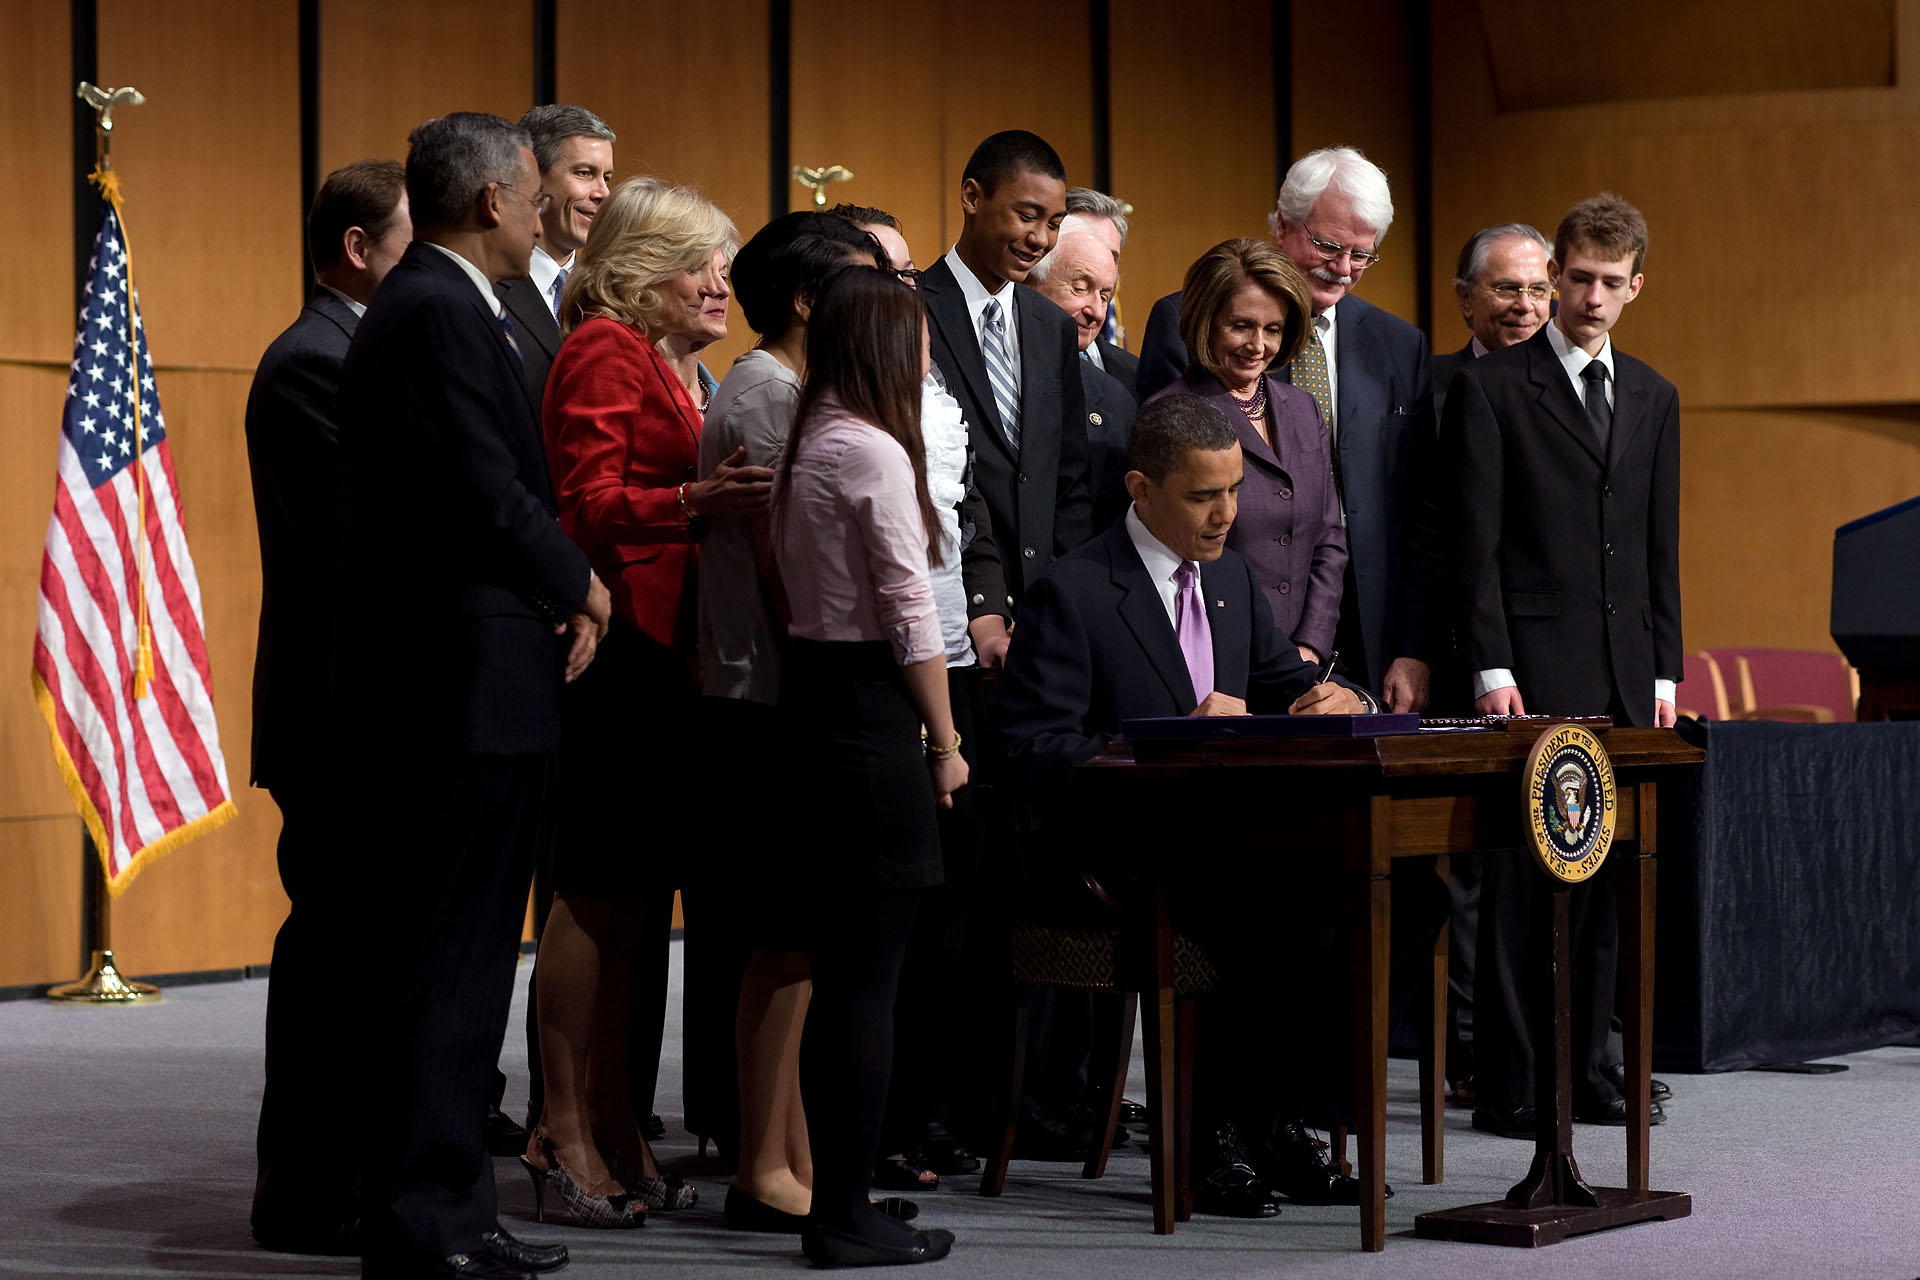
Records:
x=1326, y=672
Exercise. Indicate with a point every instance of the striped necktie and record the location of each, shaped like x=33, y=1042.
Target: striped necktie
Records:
x=506, y=328
x=1006, y=393
x=559, y=284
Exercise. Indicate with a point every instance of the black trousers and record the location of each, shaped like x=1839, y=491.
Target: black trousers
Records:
x=846, y=1052
x=460, y=837
x=315, y=1098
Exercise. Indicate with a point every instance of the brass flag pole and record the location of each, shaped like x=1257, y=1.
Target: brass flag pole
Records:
x=102, y=983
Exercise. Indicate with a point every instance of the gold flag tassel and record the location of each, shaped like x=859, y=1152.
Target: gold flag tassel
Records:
x=108, y=182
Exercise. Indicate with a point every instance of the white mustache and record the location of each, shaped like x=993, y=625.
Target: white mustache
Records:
x=1325, y=276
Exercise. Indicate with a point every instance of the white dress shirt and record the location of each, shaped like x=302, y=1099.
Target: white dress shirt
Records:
x=1574, y=361
x=1162, y=565
x=977, y=296
x=480, y=281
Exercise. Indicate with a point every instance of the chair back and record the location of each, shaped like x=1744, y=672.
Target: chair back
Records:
x=1790, y=681
x=1703, y=690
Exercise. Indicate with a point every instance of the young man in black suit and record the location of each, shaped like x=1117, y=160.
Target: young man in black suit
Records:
x=1157, y=618
x=574, y=149
x=1008, y=356
x=304, y=1198
x=1564, y=462
x=463, y=610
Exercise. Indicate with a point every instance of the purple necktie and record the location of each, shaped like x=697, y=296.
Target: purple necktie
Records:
x=1191, y=627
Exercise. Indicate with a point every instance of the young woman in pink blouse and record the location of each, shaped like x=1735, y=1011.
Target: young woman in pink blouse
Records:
x=853, y=530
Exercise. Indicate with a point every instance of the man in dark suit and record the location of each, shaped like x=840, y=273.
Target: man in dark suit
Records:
x=1078, y=275
x=1157, y=618
x=1101, y=215
x=1368, y=371
x=305, y=1198
x=450, y=550
x=1564, y=462
x=1009, y=357
x=1501, y=285
x=574, y=149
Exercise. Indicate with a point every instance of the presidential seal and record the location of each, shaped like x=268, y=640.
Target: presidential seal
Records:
x=1570, y=802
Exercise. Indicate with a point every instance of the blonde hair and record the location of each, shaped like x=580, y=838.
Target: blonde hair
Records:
x=645, y=233
x=1218, y=275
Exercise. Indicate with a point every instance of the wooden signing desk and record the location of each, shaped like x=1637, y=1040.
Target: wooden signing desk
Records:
x=1369, y=802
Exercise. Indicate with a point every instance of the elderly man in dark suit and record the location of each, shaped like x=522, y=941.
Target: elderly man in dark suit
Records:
x=1368, y=371
x=463, y=608
x=1156, y=617
x=1564, y=476
x=1009, y=357
x=1101, y=215
x=1078, y=275
x=574, y=149
x=304, y=1197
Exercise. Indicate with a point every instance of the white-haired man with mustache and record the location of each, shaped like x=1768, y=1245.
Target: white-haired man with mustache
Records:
x=1368, y=371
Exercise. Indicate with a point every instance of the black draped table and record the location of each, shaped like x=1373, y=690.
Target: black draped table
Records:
x=1789, y=909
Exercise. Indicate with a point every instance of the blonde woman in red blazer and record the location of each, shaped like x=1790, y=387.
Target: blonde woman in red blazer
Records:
x=623, y=439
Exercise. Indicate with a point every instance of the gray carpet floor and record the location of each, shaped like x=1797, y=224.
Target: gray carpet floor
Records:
x=127, y=1151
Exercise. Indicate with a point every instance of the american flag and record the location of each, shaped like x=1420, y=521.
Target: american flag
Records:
x=140, y=753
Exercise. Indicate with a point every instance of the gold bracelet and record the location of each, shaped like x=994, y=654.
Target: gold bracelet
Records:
x=680, y=496
x=946, y=753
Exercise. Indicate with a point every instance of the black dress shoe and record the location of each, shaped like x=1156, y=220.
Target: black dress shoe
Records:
x=1508, y=1122
x=458, y=1266
x=1132, y=1112
x=1230, y=1187
x=504, y=1137
x=1291, y=1165
x=504, y=1245
x=1617, y=1073
x=654, y=1129
x=943, y=1153
x=329, y=1240
x=1041, y=1139
x=745, y=1212
x=1614, y=1112
x=827, y=1247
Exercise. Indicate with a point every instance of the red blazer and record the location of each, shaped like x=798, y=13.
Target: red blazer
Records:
x=622, y=437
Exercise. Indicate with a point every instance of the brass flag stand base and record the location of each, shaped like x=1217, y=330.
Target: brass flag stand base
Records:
x=103, y=985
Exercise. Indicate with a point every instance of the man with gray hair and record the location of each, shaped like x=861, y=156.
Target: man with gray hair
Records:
x=1504, y=295
x=574, y=149
x=1367, y=371
x=1078, y=275
x=1099, y=213
x=463, y=609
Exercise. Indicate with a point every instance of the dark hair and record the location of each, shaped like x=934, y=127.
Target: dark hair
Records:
x=1219, y=273
x=364, y=194
x=865, y=215
x=1170, y=428
x=554, y=123
x=451, y=158
x=1608, y=225
x=863, y=353
x=1009, y=153
x=790, y=257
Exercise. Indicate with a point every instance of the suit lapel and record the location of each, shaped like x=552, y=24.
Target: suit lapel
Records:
x=947, y=312
x=1549, y=378
x=1229, y=627
x=530, y=313
x=1141, y=609
x=1629, y=405
x=1352, y=356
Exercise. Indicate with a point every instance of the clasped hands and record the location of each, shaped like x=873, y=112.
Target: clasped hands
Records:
x=588, y=627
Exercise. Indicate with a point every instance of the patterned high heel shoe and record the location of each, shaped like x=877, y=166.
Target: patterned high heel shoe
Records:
x=664, y=1193
x=620, y=1211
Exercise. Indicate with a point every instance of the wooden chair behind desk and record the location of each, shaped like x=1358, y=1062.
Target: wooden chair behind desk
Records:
x=1140, y=956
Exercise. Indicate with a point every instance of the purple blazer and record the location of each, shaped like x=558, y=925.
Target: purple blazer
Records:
x=1289, y=523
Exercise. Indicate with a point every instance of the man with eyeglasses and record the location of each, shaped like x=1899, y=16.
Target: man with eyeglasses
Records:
x=1504, y=295
x=1368, y=372
x=1562, y=457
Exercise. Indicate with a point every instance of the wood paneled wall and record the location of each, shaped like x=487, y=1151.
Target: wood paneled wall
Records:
x=1779, y=281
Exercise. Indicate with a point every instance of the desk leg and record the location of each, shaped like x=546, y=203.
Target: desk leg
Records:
x=1433, y=1075
x=1162, y=1082
x=1369, y=926
x=1636, y=888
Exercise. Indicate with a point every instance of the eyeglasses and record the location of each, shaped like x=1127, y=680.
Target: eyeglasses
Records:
x=1332, y=251
x=1508, y=291
x=541, y=203
x=910, y=274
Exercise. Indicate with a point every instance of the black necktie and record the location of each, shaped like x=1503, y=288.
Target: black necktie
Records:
x=1599, y=411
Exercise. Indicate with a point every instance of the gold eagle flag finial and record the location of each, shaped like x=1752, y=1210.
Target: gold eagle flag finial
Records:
x=816, y=180
x=103, y=101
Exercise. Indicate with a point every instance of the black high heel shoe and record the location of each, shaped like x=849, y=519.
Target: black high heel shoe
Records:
x=620, y=1211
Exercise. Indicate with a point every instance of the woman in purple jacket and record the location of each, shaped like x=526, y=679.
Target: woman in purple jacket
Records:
x=1246, y=308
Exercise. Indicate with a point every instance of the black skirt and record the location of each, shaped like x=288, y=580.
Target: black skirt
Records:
x=626, y=806
x=863, y=804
